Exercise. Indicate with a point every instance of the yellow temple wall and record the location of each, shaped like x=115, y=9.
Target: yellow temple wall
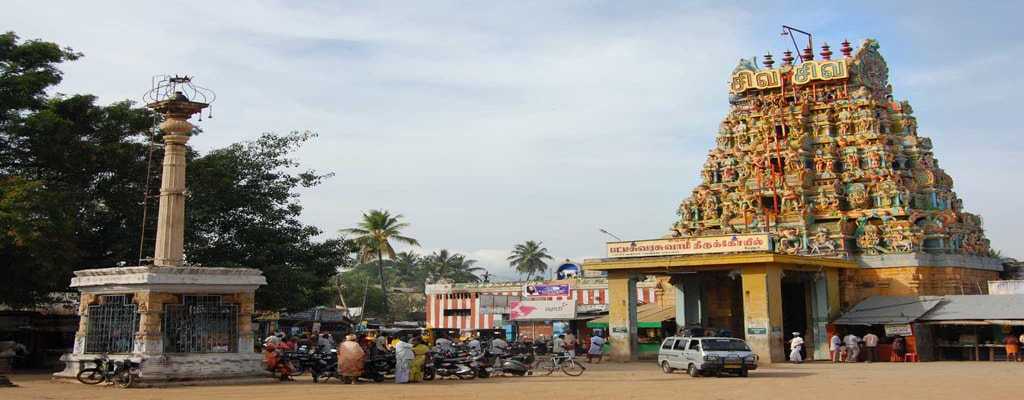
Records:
x=859, y=284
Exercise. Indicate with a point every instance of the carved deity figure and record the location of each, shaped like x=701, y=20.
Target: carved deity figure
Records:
x=868, y=240
x=821, y=243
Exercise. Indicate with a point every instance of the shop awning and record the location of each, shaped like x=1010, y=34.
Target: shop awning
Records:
x=998, y=309
x=882, y=310
x=647, y=316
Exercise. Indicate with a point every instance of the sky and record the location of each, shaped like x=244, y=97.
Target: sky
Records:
x=487, y=124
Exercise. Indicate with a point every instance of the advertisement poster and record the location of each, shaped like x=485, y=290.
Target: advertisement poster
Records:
x=545, y=290
x=534, y=310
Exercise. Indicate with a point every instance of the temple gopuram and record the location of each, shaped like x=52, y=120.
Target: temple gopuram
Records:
x=821, y=155
x=819, y=193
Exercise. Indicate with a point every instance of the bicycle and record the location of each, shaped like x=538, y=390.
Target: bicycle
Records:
x=565, y=362
x=121, y=373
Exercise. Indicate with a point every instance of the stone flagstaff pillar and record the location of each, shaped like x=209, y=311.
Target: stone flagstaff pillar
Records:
x=170, y=227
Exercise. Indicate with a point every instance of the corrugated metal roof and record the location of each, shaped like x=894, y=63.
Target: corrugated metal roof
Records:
x=881, y=310
x=978, y=307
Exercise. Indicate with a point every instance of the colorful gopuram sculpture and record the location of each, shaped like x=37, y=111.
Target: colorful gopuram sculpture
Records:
x=819, y=154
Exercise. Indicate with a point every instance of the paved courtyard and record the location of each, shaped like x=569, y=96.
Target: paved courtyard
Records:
x=932, y=381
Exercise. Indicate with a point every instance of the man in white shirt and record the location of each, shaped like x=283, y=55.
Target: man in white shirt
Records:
x=871, y=344
x=558, y=345
x=852, y=347
x=836, y=347
x=795, y=345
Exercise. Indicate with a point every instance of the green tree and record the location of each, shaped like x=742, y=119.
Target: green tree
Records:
x=374, y=235
x=454, y=267
x=528, y=258
x=72, y=175
x=242, y=211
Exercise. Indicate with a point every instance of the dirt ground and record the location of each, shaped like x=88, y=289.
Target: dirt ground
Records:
x=932, y=381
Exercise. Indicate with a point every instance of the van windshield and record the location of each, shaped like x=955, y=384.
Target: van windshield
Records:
x=724, y=345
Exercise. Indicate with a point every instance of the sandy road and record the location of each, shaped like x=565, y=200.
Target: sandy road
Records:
x=932, y=381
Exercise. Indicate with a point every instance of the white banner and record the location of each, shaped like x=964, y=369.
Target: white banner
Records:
x=691, y=245
x=898, y=329
x=1006, y=287
x=533, y=310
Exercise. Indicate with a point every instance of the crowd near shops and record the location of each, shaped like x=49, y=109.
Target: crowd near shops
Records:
x=412, y=356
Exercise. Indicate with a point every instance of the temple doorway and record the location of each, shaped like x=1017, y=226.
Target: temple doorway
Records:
x=711, y=301
x=794, y=308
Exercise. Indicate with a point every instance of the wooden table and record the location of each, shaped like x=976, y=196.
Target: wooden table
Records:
x=974, y=355
x=971, y=355
x=992, y=350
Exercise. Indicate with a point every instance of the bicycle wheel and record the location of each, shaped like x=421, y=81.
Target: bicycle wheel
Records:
x=572, y=368
x=547, y=366
x=124, y=379
x=90, y=376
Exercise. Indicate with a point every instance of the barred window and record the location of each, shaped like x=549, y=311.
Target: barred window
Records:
x=201, y=324
x=111, y=325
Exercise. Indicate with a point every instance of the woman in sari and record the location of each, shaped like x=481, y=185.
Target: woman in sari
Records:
x=350, y=360
x=419, y=351
x=403, y=361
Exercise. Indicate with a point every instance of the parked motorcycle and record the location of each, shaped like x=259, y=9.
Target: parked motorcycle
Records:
x=122, y=373
x=376, y=368
x=446, y=365
x=324, y=365
x=302, y=360
x=493, y=364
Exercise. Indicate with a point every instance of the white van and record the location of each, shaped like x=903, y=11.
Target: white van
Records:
x=706, y=356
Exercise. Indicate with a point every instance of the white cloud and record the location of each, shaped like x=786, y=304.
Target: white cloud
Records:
x=489, y=124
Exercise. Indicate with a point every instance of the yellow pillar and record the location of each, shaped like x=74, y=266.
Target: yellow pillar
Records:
x=621, y=316
x=832, y=280
x=762, y=311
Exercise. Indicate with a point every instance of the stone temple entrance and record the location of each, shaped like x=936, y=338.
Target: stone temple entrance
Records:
x=761, y=297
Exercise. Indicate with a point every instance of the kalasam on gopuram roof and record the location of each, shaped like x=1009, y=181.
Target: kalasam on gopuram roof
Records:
x=819, y=154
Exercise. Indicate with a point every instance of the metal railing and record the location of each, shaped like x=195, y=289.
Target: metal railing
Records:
x=111, y=326
x=201, y=325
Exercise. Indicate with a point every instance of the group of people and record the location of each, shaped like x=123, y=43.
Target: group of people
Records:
x=568, y=343
x=848, y=348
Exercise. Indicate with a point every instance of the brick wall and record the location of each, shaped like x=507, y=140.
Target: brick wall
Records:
x=859, y=284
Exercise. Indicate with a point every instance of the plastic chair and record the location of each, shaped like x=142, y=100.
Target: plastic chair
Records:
x=910, y=357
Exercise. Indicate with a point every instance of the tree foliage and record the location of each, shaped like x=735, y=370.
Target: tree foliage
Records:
x=374, y=234
x=73, y=175
x=528, y=259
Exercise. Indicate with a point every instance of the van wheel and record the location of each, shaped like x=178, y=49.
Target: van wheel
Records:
x=692, y=370
x=667, y=369
x=744, y=373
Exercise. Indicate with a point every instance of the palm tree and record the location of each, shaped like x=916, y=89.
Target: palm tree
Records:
x=410, y=269
x=374, y=235
x=455, y=267
x=528, y=258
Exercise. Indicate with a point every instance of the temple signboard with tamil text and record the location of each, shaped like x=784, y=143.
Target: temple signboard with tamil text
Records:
x=801, y=74
x=691, y=245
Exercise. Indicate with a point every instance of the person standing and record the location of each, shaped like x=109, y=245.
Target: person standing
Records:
x=350, y=360
x=1020, y=357
x=403, y=360
x=835, y=346
x=558, y=345
x=871, y=345
x=570, y=344
x=852, y=347
x=899, y=347
x=596, y=349
x=796, y=344
x=1012, y=347
x=419, y=351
